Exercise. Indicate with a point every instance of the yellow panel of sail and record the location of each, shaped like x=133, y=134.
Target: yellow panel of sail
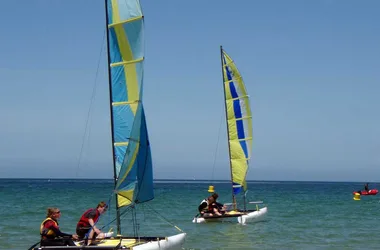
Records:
x=124, y=198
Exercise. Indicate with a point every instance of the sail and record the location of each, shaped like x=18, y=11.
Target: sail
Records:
x=133, y=164
x=239, y=122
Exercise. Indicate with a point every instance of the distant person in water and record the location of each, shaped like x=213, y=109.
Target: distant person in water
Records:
x=366, y=187
x=86, y=224
x=51, y=235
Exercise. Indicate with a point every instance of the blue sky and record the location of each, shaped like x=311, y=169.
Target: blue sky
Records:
x=310, y=67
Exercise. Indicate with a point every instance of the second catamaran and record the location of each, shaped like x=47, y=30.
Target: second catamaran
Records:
x=239, y=131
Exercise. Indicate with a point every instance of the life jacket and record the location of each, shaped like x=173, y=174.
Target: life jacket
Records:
x=47, y=232
x=206, y=208
x=83, y=221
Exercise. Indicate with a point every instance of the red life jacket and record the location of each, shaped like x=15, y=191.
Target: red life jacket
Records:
x=83, y=221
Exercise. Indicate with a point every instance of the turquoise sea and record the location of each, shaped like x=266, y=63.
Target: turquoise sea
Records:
x=301, y=215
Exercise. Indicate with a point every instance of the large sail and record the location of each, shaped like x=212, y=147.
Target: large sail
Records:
x=133, y=164
x=239, y=122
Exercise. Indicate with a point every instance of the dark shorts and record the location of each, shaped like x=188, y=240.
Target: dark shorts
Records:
x=82, y=231
x=57, y=242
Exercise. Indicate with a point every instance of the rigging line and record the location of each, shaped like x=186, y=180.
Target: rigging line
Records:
x=91, y=104
x=216, y=149
x=109, y=209
x=110, y=222
x=165, y=219
x=135, y=224
x=144, y=212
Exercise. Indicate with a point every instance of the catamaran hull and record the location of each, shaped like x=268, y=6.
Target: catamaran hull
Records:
x=174, y=242
x=243, y=219
x=253, y=216
x=171, y=243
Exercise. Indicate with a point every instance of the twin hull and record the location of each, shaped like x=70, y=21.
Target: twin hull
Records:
x=242, y=219
x=174, y=242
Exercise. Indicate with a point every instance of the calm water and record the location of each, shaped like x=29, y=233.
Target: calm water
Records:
x=302, y=215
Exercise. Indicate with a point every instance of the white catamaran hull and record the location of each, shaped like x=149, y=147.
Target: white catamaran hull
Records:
x=174, y=242
x=243, y=219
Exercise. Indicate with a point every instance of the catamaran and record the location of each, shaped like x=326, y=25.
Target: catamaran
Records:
x=132, y=162
x=239, y=131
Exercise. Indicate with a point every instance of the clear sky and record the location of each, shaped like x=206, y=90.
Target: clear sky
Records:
x=310, y=67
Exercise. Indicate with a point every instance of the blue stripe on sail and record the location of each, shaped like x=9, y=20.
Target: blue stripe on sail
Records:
x=228, y=73
x=243, y=145
x=234, y=94
x=224, y=59
x=237, y=109
x=237, y=190
x=240, y=129
x=145, y=169
x=240, y=126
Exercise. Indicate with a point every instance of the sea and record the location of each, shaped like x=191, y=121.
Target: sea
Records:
x=301, y=215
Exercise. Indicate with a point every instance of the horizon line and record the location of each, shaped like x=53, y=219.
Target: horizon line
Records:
x=161, y=179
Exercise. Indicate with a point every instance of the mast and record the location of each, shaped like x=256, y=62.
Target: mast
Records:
x=111, y=115
x=228, y=132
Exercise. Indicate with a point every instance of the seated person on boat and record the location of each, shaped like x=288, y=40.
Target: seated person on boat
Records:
x=209, y=206
x=86, y=224
x=51, y=235
x=221, y=208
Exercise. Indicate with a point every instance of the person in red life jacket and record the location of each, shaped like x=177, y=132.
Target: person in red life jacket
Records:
x=51, y=235
x=86, y=223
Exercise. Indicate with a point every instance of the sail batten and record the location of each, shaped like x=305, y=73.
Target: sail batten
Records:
x=127, y=62
x=125, y=103
x=131, y=144
x=243, y=118
x=227, y=82
x=239, y=122
x=125, y=21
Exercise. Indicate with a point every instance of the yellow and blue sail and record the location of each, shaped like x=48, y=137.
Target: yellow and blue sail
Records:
x=133, y=162
x=239, y=122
